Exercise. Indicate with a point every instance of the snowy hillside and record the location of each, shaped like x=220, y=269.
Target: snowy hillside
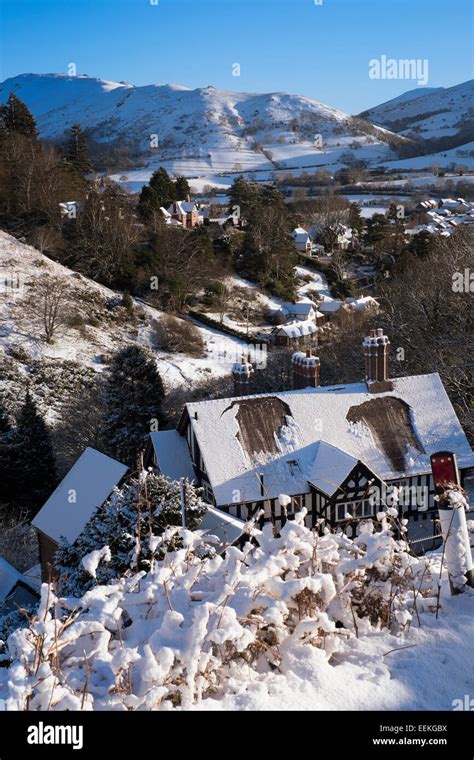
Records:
x=95, y=328
x=427, y=113
x=202, y=132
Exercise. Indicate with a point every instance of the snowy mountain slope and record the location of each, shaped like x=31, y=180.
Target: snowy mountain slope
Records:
x=463, y=155
x=427, y=113
x=94, y=331
x=199, y=132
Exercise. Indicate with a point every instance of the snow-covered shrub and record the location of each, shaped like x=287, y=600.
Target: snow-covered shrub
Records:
x=128, y=523
x=197, y=625
x=178, y=336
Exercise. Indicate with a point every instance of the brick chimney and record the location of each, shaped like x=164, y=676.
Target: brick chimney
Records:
x=306, y=370
x=242, y=374
x=376, y=356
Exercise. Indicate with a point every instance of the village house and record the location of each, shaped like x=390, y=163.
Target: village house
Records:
x=334, y=310
x=185, y=212
x=66, y=513
x=296, y=333
x=298, y=310
x=302, y=240
x=342, y=235
x=327, y=447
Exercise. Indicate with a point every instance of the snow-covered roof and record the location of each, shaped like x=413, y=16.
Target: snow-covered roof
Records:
x=182, y=207
x=222, y=525
x=360, y=304
x=172, y=455
x=296, y=329
x=300, y=235
x=330, y=467
x=85, y=487
x=276, y=436
x=303, y=308
x=329, y=307
x=9, y=577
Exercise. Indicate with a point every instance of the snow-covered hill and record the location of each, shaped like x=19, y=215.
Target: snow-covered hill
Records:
x=96, y=326
x=201, y=132
x=427, y=113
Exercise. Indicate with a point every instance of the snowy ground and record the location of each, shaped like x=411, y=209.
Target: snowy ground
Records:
x=428, y=667
x=88, y=345
x=437, y=669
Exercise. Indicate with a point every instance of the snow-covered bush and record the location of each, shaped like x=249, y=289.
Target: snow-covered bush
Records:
x=199, y=624
x=128, y=522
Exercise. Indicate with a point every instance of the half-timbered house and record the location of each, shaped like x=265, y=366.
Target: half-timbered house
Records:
x=336, y=450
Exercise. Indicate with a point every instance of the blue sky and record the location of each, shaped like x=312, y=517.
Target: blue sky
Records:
x=290, y=45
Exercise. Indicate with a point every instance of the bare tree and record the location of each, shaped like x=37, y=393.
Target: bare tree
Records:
x=47, y=304
x=338, y=264
x=329, y=213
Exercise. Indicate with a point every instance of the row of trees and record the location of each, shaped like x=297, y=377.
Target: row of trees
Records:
x=34, y=177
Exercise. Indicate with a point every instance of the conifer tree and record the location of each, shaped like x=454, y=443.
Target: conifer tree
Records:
x=134, y=513
x=133, y=396
x=77, y=151
x=6, y=481
x=182, y=188
x=161, y=191
x=33, y=457
x=16, y=117
x=5, y=423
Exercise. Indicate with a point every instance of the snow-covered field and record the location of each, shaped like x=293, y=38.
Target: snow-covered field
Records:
x=463, y=155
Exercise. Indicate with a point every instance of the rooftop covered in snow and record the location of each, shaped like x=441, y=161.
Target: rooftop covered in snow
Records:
x=10, y=578
x=172, y=455
x=86, y=486
x=275, y=437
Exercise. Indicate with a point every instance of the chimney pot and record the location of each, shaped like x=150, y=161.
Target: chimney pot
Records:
x=376, y=346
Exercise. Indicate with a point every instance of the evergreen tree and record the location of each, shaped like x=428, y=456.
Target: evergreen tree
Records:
x=147, y=202
x=378, y=231
x=16, y=117
x=356, y=223
x=77, y=151
x=243, y=197
x=5, y=422
x=421, y=244
x=131, y=516
x=6, y=481
x=182, y=188
x=34, y=464
x=161, y=191
x=133, y=396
